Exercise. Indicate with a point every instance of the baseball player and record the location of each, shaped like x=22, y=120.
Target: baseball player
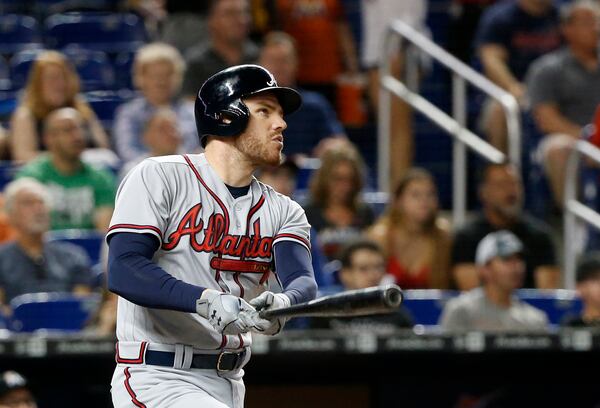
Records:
x=198, y=246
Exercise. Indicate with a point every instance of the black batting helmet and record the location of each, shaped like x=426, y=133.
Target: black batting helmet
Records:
x=219, y=108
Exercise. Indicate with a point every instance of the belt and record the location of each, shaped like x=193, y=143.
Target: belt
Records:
x=222, y=362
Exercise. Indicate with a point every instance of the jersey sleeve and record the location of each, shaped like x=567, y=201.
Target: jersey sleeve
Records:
x=143, y=201
x=295, y=226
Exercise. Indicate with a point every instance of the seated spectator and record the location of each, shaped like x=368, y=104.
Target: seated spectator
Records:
x=161, y=136
x=15, y=392
x=363, y=266
x=311, y=128
x=82, y=196
x=501, y=196
x=30, y=264
x=564, y=89
x=415, y=239
x=53, y=83
x=511, y=35
x=157, y=72
x=588, y=288
x=282, y=178
x=228, y=44
x=493, y=306
x=335, y=209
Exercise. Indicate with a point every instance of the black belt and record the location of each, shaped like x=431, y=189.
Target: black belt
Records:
x=224, y=361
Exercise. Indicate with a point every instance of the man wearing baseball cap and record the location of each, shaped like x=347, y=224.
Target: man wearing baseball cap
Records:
x=493, y=306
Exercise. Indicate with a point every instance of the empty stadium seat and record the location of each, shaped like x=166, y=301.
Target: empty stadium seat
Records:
x=4, y=75
x=48, y=7
x=52, y=311
x=94, y=68
x=8, y=169
x=104, y=104
x=557, y=304
x=109, y=32
x=18, y=32
x=426, y=305
x=123, y=64
x=90, y=241
x=20, y=64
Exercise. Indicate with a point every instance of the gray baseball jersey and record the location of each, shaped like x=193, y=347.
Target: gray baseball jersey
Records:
x=207, y=238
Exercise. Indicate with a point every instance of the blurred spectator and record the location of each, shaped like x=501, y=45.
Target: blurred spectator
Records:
x=30, y=264
x=335, y=209
x=363, y=266
x=81, y=196
x=158, y=71
x=104, y=321
x=501, y=196
x=310, y=129
x=377, y=15
x=511, y=35
x=564, y=89
x=415, y=239
x=153, y=12
x=4, y=144
x=588, y=288
x=464, y=19
x=161, y=136
x=282, y=178
x=15, y=392
x=185, y=24
x=227, y=44
x=264, y=18
x=493, y=306
x=52, y=84
x=325, y=44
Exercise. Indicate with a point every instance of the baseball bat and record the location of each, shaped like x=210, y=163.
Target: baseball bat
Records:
x=360, y=302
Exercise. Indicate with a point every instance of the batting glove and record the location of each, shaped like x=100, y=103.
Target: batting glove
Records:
x=267, y=301
x=228, y=314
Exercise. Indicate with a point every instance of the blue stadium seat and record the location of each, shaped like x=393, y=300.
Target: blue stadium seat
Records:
x=48, y=7
x=52, y=311
x=4, y=75
x=557, y=304
x=104, y=104
x=109, y=32
x=18, y=32
x=426, y=305
x=123, y=64
x=94, y=68
x=20, y=64
x=13, y=6
x=8, y=169
x=90, y=241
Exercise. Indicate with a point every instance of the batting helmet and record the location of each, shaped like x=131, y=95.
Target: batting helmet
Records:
x=219, y=108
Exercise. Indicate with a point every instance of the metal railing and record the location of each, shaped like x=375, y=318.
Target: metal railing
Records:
x=455, y=125
x=574, y=209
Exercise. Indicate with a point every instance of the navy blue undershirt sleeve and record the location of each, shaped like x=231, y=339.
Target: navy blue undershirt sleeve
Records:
x=295, y=271
x=134, y=276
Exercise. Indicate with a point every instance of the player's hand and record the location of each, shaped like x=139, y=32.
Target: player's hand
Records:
x=228, y=314
x=267, y=301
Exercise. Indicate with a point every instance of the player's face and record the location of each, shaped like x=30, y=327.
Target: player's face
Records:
x=418, y=201
x=30, y=213
x=367, y=269
x=262, y=141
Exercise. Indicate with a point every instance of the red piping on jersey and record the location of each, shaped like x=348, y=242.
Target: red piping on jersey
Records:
x=299, y=238
x=240, y=266
x=138, y=360
x=236, y=278
x=138, y=227
x=241, y=341
x=223, y=341
x=130, y=390
x=253, y=211
x=216, y=198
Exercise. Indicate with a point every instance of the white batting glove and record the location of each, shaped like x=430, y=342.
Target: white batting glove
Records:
x=228, y=314
x=267, y=301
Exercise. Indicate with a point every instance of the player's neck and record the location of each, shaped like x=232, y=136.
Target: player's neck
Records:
x=233, y=170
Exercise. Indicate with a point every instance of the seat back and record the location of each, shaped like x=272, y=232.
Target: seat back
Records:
x=90, y=241
x=94, y=68
x=557, y=304
x=426, y=305
x=18, y=32
x=52, y=311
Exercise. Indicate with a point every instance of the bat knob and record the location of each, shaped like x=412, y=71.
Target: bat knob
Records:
x=393, y=296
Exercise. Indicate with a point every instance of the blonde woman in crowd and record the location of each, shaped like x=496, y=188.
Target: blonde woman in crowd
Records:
x=53, y=83
x=415, y=238
x=157, y=72
x=336, y=210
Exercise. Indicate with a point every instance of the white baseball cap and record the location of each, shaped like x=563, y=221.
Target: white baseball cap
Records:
x=497, y=244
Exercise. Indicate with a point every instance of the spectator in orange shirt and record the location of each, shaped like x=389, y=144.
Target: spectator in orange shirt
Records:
x=325, y=44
